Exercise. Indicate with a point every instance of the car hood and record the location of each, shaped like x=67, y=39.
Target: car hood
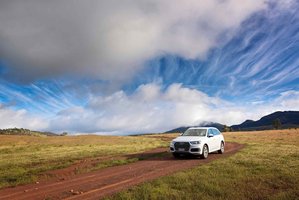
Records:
x=188, y=138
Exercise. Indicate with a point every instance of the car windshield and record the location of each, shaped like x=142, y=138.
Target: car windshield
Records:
x=195, y=132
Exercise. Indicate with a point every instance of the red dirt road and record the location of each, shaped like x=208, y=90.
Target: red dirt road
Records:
x=101, y=183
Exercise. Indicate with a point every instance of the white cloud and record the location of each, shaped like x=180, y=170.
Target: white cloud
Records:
x=149, y=109
x=111, y=39
x=20, y=119
x=288, y=99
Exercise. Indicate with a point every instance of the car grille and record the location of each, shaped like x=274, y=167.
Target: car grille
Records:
x=182, y=145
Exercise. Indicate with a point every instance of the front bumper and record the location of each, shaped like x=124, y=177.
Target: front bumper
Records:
x=192, y=149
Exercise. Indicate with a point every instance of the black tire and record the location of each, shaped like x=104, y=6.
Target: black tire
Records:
x=221, y=150
x=205, y=152
x=176, y=155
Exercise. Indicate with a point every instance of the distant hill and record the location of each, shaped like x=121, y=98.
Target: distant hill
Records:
x=203, y=124
x=288, y=119
x=22, y=131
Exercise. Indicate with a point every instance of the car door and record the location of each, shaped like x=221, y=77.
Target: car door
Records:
x=211, y=141
x=217, y=139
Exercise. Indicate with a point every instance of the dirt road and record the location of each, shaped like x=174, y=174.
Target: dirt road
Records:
x=98, y=184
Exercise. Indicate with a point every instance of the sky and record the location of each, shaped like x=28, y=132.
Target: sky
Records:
x=141, y=66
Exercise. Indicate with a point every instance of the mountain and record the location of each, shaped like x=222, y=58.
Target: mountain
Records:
x=203, y=124
x=288, y=119
x=22, y=131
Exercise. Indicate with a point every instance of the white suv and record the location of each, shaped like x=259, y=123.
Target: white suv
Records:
x=198, y=141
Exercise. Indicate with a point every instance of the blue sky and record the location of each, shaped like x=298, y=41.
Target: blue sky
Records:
x=145, y=66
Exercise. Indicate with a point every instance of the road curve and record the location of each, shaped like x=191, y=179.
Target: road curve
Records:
x=104, y=182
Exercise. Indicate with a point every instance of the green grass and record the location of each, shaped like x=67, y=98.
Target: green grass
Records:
x=267, y=168
x=24, y=158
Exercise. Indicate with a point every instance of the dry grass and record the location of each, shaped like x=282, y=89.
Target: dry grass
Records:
x=288, y=136
x=23, y=158
x=267, y=168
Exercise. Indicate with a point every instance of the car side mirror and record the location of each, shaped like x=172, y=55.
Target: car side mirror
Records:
x=181, y=134
x=210, y=135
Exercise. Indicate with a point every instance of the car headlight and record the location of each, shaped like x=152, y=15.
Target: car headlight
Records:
x=172, y=143
x=195, y=142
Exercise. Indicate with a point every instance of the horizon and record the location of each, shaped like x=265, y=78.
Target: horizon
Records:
x=123, y=67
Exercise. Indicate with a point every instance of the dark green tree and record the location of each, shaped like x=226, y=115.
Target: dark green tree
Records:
x=63, y=134
x=226, y=128
x=277, y=123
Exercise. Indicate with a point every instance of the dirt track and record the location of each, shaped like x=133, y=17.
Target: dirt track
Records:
x=98, y=184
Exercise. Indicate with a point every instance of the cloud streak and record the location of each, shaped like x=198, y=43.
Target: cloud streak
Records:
x=150, y=109
x=118, y=67
x=111, y=40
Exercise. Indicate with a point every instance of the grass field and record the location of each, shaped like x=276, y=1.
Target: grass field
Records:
x=267, y=168
x=23, y=158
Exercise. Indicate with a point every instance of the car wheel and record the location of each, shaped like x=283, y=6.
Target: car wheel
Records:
x=205, y=152
x=176, y=155
x=221, y=150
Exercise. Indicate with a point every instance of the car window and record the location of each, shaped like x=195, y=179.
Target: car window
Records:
x=216, y=132
x=195, y=132
x=211, y=132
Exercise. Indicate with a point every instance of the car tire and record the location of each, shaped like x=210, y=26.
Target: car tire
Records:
x=205, y=152
x=221, y=150
x=176, y=155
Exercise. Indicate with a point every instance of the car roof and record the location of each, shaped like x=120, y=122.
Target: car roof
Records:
x=201, y=127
